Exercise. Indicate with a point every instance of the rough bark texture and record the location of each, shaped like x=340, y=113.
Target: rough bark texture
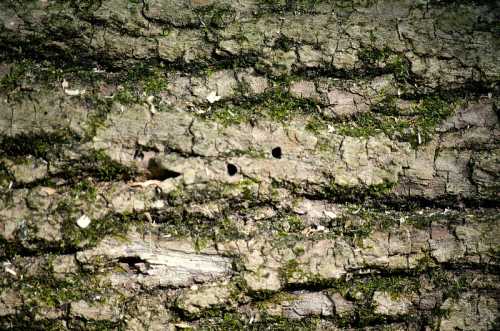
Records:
x=267, y=165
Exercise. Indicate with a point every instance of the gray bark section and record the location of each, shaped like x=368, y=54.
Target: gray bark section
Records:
x=249, y=165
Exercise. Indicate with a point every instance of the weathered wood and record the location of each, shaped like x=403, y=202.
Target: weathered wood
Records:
x=249, y=165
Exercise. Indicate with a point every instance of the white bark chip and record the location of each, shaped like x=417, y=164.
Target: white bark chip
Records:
x=83, y=221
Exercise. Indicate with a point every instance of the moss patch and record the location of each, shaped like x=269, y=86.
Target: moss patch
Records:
x=296, y=7
x=199, y=228
x=98, y=165
x=233, y=321
x=276, y=105
x=74, y=236
x=417, y=129
x=40, y=145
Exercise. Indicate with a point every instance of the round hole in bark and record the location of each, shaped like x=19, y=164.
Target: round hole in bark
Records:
x=156, y=171
x=276, y=152
x=231, y=169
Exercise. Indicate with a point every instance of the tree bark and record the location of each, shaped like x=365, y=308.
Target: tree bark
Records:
x=267, y=165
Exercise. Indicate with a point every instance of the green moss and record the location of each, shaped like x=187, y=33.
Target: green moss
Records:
x=251, y=152
x=137, y=82
x=359, y=289
x=45, y=145
x=132, y=83
x=400, y=68
x=290, y=270
x=358, y=232
x=299, y=250
x=99, y=166
x=293, y=223
x=281, y=105
x=94, y=325
x=316, y=125
x=202, y=229
x=200, y=243
x=14, y=78
x=348, y=193
x=245, y=190
x=74, y=236
x=362, y=125
x=386, y=59
x=51, y=292
x=283, y=225
x=417, y=129
x=452, y=285
x=277, y=105
x=340, y=193
x=430, y=112
x=126, y=97
x=372, y=55
x=43, y=290
x=134, y=6
x=23, y=320
x=215, y=15
x=296, y=7
x=85, y=190
x=394, y=284
x=50, y=147
x=107, y=169
x=233, y=321
x=27, y=74
x=155, y=83
x=228, y=321
x=199, y=228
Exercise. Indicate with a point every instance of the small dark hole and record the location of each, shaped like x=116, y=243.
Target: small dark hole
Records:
x=164, y=174
x=131, y=260
x=231, y=169
x=133, y=263
x=276, y=152
x=159, y=173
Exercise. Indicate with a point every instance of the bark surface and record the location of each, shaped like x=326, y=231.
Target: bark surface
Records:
x=251, y=164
